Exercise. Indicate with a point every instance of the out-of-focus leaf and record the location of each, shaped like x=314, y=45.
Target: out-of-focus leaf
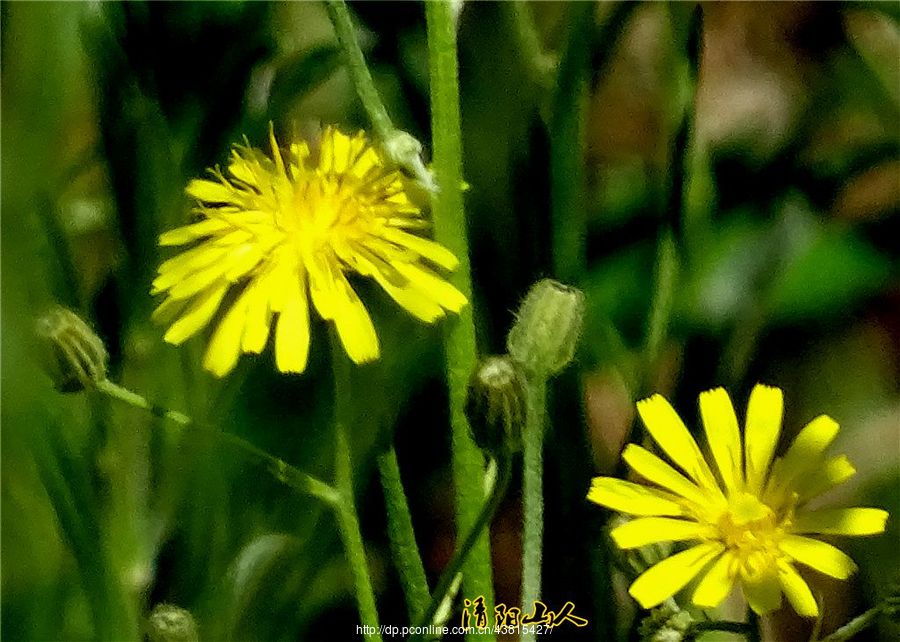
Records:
x=301, y=74
x=724, y=274
x=834, y=273
x=877, y=39
x=248, y=573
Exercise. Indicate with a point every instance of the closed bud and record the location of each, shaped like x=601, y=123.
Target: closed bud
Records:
x=495, y=405
x=73, y=355
x=404, y=150
x=547, y=328
x=170, y=623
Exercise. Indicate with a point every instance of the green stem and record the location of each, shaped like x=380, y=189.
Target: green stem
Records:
x=345, y=508
x=697, y=629
x=481, y=525
x=567, y=125
x=533, y=497
x=754, y=629
x=855, y=626
x=459, y=339
x=348, y=524
x=280, y=469
x=539, y=64
x=402, y=536
x=359, y=71
x=401, y=147
x=661, y=301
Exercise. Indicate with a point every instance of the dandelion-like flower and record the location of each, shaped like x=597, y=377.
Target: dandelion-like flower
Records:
x=278, y=231
x=750, y=522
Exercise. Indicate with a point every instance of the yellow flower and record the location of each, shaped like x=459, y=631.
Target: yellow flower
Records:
x=278, y=231
x=750, y=522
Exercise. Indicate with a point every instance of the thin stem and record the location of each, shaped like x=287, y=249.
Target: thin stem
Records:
x=280, y=469
x=482, y=523
x=539, y=63
x=359, y=71
x=855, y=626
x=567, y=125
x=459, y=339
x=662, y=299
x=533, y=497
x=347, y=518
x=401, y=147
x=402, y=536
x=697, y=629
x=754, y=629
x=348, y=524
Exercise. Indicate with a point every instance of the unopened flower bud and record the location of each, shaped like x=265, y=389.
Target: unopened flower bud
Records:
x=495, y=405
x=170, y=623
x=547, y=328
x=667, y=623
x=405, y=150
x=73, y=355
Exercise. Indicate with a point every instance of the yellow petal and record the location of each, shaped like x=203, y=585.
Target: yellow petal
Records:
x=651, y=530
x=823, y=557
x=797, y=591
x=716, y=583
x=259, y=317
x=276, y=153
x=245, y=169
x=764, y=414
x=199, y=280
x=225, y=345
x=326, y=149
x=292, y=333
x=167, y=311
x=410, y=299
x=626, y=497
x=241, y=261
x=836, y=471
x=762, y=591
x=723, y=436
x=659, y=472
x=663, y=580
x=196, y=315
x=344, y=152
x=210, y=191
x=322, y=277
x=192, y=232
x=667, y=429
x=397, y=286
x=434, y=252
x=804, y=453
x=437, y=288
x=354, y=325
x=842, y=521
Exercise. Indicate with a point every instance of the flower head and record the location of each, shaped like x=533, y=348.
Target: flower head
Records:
x=747, y=512
x=278, y=231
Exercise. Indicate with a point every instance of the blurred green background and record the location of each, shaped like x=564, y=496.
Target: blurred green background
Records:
x=758, y=145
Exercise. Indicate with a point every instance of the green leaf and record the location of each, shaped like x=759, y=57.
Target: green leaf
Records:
x=834, y=273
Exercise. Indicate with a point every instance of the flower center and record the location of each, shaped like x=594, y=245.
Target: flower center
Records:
x=751, y=531
x=324, y=213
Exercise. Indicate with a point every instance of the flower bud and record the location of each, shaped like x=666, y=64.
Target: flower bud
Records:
x=73, y=355
x=170, y=623
x=667, y=623
x=404, y=150
x=547, y=328
x=495, y=405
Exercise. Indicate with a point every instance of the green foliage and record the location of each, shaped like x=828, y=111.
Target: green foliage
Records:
x=702, y=263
